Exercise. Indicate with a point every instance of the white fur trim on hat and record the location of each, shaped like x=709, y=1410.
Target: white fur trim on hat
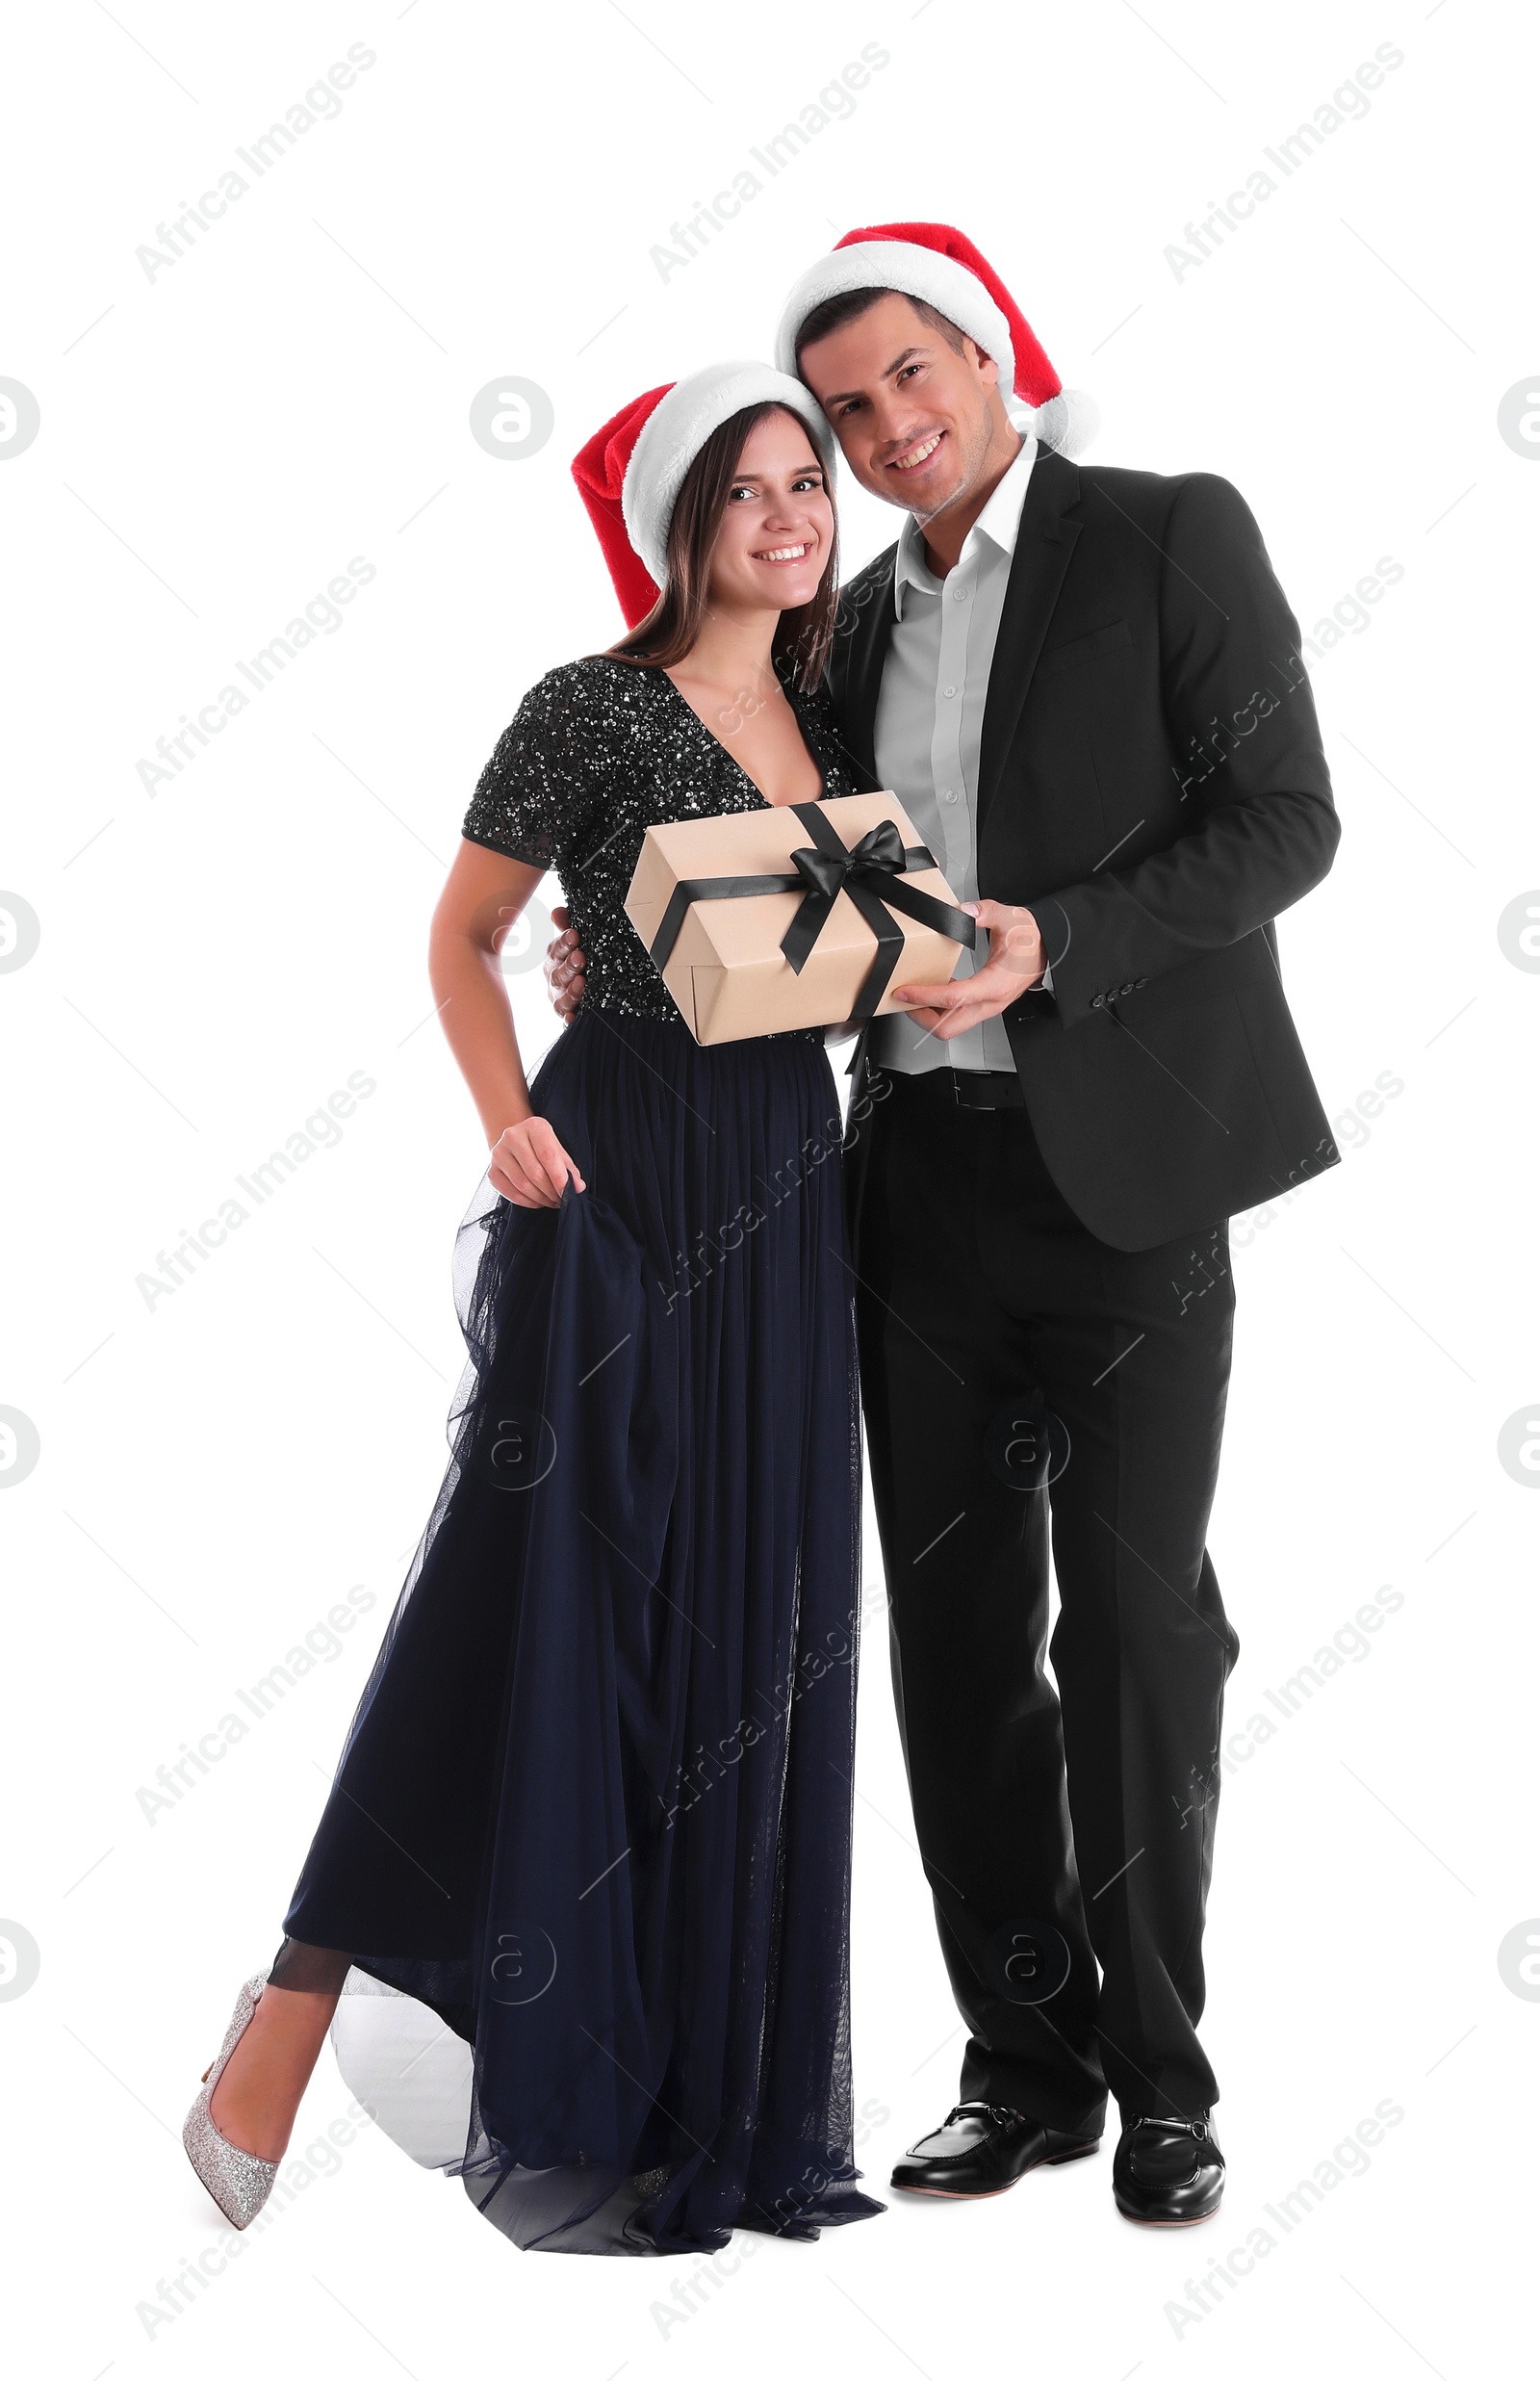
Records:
x=918, y=272
x=678, y=426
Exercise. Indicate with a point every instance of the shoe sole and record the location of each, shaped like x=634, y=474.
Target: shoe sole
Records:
x=1169, y=2223
x=934, y=2191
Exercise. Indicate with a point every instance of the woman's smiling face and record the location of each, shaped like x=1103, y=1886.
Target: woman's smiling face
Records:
x=778, y=530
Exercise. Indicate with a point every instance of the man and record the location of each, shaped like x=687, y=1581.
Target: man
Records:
x=1085, y=687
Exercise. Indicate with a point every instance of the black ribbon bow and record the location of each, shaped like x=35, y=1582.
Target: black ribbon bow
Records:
x=871, y=871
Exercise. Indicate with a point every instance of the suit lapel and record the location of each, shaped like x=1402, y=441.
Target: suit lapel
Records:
x=856, y=677
x=1045, y=540
x=867, y=630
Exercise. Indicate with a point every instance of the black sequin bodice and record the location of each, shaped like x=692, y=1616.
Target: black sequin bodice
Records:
x=598, y=752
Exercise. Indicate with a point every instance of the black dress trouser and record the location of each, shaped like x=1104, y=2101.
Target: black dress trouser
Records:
x=1018, y=1373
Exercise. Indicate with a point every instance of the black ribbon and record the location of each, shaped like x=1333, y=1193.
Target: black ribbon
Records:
x=871, y=871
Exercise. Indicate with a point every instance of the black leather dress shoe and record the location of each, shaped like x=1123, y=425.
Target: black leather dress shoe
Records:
x=980, y=2150
x=1167, y=2170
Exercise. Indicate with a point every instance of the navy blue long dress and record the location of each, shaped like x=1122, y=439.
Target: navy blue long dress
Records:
x=594, y=1810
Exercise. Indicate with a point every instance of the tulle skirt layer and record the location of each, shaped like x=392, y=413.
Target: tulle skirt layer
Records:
x=587, y=1852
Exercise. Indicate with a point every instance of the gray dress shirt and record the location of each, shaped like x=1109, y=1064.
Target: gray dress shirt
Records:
x=929, y=721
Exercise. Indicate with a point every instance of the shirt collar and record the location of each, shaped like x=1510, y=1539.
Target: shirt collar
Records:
x=998, y=522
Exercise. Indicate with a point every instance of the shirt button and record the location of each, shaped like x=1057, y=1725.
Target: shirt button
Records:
x=949, y=689
x=962, y=594
x=948, y=795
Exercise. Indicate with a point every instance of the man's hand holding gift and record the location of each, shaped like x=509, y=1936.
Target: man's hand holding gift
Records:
x=1015, y=964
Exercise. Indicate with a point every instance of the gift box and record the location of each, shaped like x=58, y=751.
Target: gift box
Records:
x=801, y=914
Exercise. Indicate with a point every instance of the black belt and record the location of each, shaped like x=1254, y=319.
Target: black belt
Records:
x=974, y=1087
x=968, y=1087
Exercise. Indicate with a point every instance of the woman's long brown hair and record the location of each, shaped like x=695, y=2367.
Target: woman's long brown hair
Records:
x=803, y=636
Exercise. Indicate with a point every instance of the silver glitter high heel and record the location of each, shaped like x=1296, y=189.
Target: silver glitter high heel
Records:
x=237, y=2181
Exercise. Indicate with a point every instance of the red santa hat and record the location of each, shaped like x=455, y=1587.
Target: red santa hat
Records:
x=631, y=472
x=940, y=265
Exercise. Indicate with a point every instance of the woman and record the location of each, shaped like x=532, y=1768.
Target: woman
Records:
x=594, y=1809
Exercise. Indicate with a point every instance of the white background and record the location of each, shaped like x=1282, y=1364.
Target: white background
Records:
x=216, y=957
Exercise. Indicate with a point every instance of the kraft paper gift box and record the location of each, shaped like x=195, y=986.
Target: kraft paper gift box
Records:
x=802, y=914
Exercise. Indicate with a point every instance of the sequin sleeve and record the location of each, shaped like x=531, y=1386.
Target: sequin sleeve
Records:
x=538, y=792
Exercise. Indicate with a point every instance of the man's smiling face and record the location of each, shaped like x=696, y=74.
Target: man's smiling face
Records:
x=918, y=420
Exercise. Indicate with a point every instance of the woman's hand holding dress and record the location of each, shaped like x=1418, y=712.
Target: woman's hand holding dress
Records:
x=530, y=1166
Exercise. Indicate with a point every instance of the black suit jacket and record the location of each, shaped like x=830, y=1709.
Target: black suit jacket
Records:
x=1153, y=788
